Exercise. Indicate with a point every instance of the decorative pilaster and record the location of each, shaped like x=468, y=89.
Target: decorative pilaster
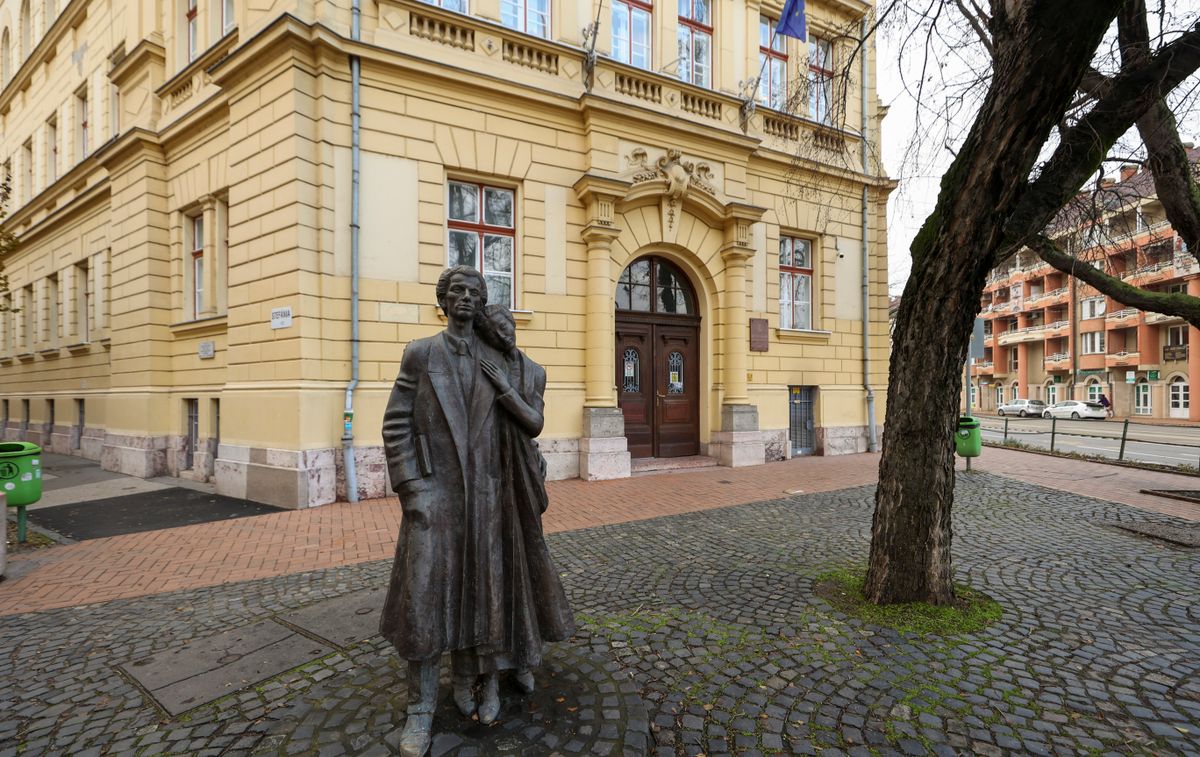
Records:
x=739, y=442
x=603, y=450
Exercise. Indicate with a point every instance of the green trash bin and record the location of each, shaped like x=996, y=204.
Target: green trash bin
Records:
x=968, y=440
x=21, y=478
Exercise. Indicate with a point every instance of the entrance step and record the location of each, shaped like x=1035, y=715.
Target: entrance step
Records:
x=644, y=466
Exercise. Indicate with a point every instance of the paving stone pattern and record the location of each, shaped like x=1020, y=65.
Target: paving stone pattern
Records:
x=710, y=620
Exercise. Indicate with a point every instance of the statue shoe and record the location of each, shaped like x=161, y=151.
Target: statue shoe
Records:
x=414, y=740
x=489, y=708
x=464, y=695
x=524, y=679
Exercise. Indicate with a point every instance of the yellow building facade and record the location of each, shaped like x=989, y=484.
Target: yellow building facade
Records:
x=205, y=191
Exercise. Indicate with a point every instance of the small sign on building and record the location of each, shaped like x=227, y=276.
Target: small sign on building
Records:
x=1152, y=375
x=281, y=318
x=207, y=350
x=759, y=335
x=1130, y=377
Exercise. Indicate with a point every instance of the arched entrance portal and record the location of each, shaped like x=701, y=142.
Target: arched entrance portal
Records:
x=658, y=359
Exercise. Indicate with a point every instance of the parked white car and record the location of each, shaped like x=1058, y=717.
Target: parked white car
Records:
x=1075, y=409
x=1023, y=408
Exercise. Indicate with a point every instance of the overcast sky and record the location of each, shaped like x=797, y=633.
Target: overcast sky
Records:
x=912, y=202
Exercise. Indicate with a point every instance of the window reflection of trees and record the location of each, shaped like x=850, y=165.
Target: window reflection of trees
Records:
x=672, y=293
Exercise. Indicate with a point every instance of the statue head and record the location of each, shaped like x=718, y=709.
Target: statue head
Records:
x=465, y=271
x=497, y=326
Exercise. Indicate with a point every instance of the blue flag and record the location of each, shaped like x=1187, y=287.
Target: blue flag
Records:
x=792, y=22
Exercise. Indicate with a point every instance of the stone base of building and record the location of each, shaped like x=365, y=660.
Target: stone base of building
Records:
x=739, y=442
x=370, y=473
x=562, y=458
x=141, y=456
x=282, y=477
x=603, y=450
x=842, y=440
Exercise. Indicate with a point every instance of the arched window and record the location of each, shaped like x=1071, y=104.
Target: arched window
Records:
x=1094, y=390
x=26, y=31
x=652, y=285
x=1016, y=391
x=1051, y=393
x=5, y=58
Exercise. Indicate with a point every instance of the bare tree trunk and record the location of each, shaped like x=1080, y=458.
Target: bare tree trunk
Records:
x=1041, y=50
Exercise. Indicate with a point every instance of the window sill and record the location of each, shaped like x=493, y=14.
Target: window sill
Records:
x=216, y=324
x=519, y=316
x=803, y=336
x=48, y=352
x=25, y=356
x=79, y=347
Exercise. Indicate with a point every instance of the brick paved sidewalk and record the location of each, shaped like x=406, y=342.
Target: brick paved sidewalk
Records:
x=208, y=554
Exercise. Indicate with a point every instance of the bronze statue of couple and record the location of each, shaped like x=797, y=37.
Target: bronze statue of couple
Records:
x=472, y=576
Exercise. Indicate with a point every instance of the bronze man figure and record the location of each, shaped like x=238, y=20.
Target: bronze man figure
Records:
x=457, y=562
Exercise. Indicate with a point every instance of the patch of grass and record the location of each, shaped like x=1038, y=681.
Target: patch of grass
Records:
x=971, y=612
x=33, y=539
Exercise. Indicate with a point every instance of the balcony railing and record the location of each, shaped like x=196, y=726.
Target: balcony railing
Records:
x=1121, y=315
x=1174, y=352
x=1121, y=359
x=1147, y=270
x=1026, y=334
x=1185, y=264
x=1162, y=318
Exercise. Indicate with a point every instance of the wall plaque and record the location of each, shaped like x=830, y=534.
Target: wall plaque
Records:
x=207, y=350
x=760, y=336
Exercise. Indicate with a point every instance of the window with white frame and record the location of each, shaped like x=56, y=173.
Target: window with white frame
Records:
x=83, y=301
x=1094, y=390
x=26, y=26
x=1093, y=307
x=1015, y=391
x=191, y=27
x=5, y=57
x=27, y=170
x=81, y=122
x=458, y=6
x=999, y=394
x=820, y=80
x=695, y=41
x=795, y=282
x=631, y=21
x=1014, y=359
x=481, y=233
x=529, y=16
x=196, y=246
x=228, y=16
x=114, y=110
x=1141, y=398
x=1092, y=343
x=1177, y=336
x=1051, y=393
x=51, y=150
x=772, y=61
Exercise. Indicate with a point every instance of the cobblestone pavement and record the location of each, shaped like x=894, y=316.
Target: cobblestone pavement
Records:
x=710, y=620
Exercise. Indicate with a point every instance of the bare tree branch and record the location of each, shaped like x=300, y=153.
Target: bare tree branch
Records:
x=976, y=24
x=1084, y=146
x=1176, y=304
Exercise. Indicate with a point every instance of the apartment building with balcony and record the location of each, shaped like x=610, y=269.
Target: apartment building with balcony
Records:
x=1049, y=336
x=184, y=196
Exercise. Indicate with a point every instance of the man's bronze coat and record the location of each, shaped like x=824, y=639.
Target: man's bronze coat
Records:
x=446, y=589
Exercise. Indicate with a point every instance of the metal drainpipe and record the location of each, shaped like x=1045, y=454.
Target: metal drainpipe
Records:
x=355, y=125
x=872, y=438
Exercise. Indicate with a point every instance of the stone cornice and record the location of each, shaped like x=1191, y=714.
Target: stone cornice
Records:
x=72, y=15
x=148, y=52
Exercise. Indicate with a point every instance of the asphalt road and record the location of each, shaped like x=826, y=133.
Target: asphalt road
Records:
x=1164, y=445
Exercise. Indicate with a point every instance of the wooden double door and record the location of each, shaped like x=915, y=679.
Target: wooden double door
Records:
x=658, y=383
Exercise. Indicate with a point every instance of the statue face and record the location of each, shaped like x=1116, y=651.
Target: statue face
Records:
x=463, y=297
x=505, y=330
